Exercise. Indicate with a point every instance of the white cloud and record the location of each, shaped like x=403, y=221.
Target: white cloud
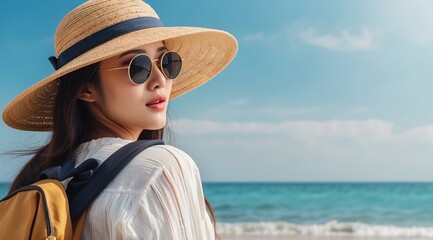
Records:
x=301, y=31
x=369, y=150
x=342, y=41
x=419, y=134
x=368, y=130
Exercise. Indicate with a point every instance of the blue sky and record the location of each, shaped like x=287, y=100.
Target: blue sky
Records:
x=319, y=90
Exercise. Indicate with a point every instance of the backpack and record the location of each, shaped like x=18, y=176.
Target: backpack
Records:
x=45, y=210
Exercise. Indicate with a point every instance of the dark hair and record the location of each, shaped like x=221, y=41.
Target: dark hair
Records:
x=72, y=125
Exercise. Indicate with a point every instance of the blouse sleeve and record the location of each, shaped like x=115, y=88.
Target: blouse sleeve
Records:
x=172, y=206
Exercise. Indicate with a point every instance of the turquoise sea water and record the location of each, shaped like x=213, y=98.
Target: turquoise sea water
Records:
x=400, y=204
x=321, y=209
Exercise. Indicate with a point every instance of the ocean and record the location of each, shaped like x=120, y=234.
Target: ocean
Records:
x=387, y=210
x=320, y=210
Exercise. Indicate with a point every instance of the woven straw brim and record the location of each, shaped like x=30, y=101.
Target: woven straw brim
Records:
x=206, y=52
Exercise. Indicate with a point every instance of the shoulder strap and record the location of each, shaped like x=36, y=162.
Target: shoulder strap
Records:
x=105, y=173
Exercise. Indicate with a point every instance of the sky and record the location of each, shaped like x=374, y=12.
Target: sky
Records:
x=319, y=91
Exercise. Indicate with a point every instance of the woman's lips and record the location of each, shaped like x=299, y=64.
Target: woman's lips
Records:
x=157, y=103
x=157, y=106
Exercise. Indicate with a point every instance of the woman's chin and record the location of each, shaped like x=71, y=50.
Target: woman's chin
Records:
x=155, y=126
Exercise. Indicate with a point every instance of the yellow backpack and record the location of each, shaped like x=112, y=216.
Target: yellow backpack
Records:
x=45, y=210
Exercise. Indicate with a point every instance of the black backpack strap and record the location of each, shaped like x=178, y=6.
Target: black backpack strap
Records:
x=104, y=174
x=61, y=172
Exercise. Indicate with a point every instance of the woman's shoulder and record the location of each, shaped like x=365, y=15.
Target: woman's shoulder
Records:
x=166, y=154
x=156, y=166
x=166, y=158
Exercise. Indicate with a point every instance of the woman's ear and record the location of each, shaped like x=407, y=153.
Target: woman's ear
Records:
x=88, y=93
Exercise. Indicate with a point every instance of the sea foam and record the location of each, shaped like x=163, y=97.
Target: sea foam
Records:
x=332, y=228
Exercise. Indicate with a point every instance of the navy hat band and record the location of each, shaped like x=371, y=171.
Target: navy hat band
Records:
x=103, y=36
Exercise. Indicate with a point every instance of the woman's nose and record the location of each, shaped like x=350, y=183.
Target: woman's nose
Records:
x=157, y=78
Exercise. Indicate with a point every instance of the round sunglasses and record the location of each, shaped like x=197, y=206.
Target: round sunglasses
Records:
x=140, y=66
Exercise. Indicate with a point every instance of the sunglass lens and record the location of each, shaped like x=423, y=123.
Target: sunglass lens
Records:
x=171, y=64
x=139, y=70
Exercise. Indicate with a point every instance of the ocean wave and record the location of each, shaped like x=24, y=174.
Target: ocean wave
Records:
x=332, y=228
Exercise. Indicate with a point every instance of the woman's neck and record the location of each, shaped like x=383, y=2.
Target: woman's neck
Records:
x=111, y=130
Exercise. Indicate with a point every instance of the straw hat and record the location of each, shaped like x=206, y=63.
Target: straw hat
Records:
x=100, y=29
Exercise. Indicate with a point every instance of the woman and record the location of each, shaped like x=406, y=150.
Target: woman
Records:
x=117, y=68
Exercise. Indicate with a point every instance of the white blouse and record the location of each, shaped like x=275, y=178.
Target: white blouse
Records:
x=158, y=195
